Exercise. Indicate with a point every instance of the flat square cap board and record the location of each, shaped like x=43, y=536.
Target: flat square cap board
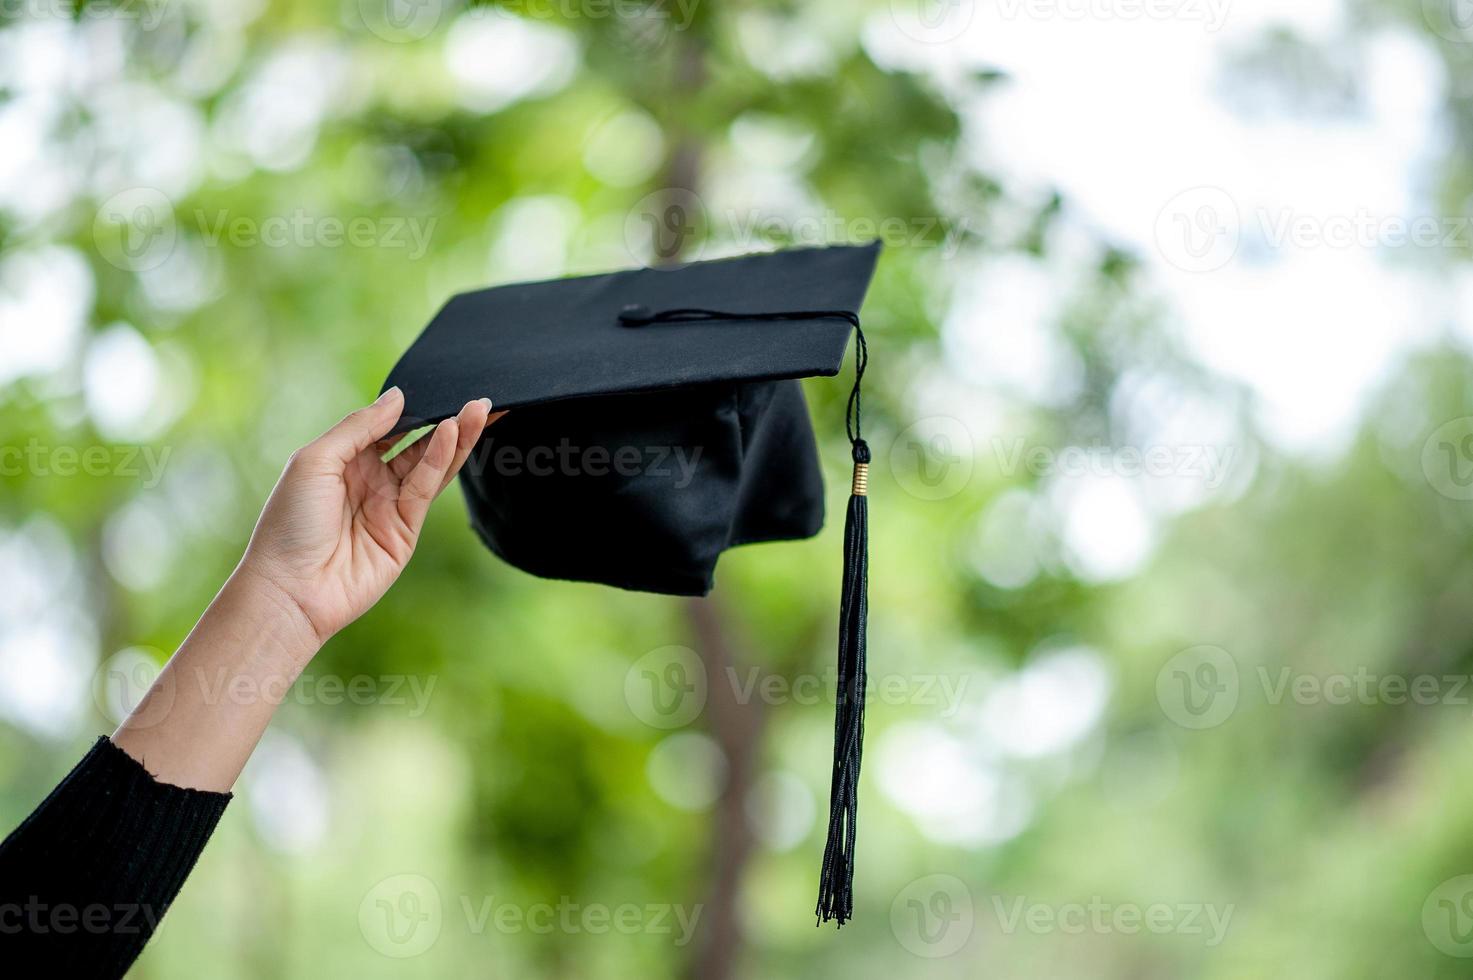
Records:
x=530, y=343
x=654, y=421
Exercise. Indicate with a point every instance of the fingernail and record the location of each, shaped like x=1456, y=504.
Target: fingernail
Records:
x=387, y=394
x=486, y=402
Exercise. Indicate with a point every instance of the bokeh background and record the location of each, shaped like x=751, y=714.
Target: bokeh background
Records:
x=1172, y=515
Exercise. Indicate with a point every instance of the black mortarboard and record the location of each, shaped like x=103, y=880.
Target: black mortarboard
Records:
x=655, y=421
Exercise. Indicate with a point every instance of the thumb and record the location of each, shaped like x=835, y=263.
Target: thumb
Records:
x=361, y=429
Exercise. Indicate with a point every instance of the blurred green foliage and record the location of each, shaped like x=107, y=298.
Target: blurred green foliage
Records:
x=524, y=778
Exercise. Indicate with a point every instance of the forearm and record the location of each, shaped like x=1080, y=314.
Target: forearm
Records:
x=203, y=716
x=122, y=831
x=85, y=880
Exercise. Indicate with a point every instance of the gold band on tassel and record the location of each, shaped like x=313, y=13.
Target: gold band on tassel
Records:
x=861, y=480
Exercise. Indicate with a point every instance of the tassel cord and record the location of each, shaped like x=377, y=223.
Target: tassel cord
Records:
x=836, y=878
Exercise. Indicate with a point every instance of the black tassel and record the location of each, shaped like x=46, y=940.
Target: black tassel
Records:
x=836, y=880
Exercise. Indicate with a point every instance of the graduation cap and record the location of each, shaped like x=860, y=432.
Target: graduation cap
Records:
x=655, y=420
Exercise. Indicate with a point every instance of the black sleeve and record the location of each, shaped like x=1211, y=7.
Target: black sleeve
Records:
x=86, y=878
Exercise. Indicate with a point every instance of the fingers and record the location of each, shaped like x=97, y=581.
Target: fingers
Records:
x=406, y=458
x=362, y=428
x=472, y=420
x=472, y=424
x=424, y=482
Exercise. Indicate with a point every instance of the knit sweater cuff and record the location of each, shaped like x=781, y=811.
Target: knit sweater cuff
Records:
x=110, y=803
x=99, y=861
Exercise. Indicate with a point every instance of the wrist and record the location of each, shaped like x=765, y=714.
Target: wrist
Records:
x=263, y=609
x=203, y=715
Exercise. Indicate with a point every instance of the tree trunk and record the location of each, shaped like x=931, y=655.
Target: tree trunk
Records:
x=737, y=726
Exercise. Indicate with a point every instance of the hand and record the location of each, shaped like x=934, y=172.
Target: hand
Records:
x=342, y=524
x=335, y=534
